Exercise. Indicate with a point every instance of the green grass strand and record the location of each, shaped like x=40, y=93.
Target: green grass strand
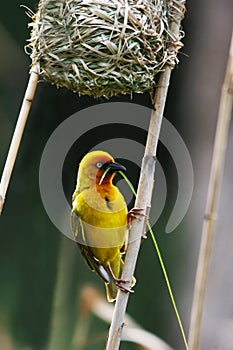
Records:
x=168, y=286
x=163, y=269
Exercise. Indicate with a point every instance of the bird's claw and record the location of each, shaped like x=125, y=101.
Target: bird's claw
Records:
x=122, y=287
x=136, y=213
x=119, y=282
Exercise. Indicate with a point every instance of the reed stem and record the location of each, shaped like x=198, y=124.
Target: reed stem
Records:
x=143, y=200
x=217, y=167
x=18, y=133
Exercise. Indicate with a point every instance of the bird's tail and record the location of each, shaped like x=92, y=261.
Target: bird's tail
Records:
x=111, y=291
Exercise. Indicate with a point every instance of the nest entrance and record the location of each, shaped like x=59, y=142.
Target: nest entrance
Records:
x=104, y=47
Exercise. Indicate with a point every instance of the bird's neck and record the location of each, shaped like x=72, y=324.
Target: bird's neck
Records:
x=107, y=191
x=106, y=184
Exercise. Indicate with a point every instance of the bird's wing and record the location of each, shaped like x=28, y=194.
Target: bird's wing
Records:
x=79, y=234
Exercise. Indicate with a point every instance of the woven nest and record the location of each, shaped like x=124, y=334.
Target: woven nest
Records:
x=104, y=47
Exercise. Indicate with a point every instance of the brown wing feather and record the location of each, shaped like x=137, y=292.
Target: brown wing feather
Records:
x=92, y=263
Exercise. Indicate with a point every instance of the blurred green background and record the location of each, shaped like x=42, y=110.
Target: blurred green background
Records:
x=30, y=246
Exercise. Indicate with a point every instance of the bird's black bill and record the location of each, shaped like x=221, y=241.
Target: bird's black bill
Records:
x=113, y=166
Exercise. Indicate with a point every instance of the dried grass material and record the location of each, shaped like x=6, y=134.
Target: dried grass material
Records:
x=104, y=47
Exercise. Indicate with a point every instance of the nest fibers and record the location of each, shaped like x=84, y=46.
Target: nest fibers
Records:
x=104, y=47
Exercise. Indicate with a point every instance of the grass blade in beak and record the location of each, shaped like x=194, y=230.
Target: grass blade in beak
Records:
x=103, y=176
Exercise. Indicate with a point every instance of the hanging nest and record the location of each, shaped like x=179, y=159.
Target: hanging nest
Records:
x=104, y=47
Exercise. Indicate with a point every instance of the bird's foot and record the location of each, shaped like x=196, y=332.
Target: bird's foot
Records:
x=119, y=283
x=135, y=213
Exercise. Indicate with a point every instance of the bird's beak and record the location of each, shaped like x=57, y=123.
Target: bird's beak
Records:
x=114, y=166
x=111, y=167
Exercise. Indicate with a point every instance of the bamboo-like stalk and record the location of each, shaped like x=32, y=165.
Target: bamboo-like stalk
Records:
x=221, y=137
x=143, y=200
x=18, y=133
x=92, y=302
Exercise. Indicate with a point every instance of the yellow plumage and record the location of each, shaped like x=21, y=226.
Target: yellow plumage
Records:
x=99, y=219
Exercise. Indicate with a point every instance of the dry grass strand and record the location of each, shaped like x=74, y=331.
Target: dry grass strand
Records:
x=104, y=47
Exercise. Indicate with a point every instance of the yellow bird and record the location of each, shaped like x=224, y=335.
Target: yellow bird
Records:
x=99, y=219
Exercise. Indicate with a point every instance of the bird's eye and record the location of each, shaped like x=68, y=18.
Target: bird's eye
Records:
x=99, y=165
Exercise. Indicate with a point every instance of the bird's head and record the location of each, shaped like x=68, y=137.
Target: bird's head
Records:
x=97, y=167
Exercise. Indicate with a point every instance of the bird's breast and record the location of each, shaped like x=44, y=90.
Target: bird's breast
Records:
x=104, y=220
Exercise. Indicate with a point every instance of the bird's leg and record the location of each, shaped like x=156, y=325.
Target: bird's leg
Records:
x=119, y=282
x=136, y=213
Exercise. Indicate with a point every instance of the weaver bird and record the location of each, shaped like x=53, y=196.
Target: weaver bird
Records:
x=100, y=219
